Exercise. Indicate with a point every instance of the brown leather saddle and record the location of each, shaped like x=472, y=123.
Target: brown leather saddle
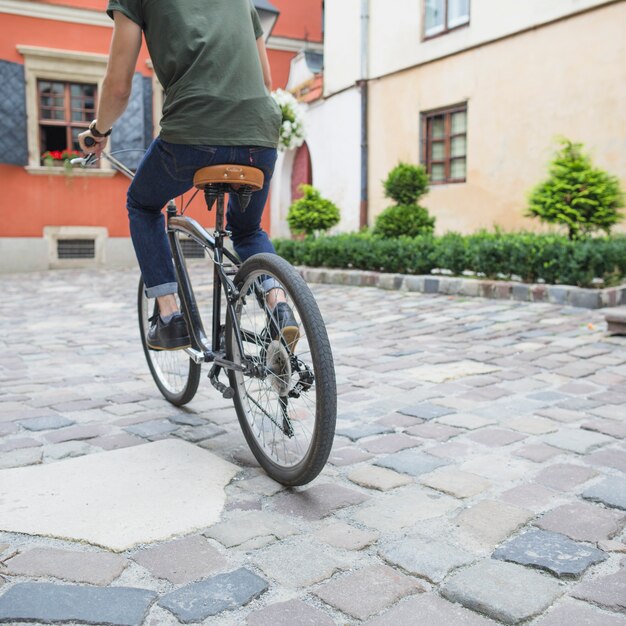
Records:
x=243, y=180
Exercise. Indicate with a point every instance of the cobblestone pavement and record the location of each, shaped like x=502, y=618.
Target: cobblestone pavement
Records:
x=478, y=475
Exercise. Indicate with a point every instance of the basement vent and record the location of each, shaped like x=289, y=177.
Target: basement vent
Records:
x=76, y=249
x=191, y=249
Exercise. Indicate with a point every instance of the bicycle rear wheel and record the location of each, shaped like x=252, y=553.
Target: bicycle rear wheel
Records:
x=174, y=373
x=288, y=409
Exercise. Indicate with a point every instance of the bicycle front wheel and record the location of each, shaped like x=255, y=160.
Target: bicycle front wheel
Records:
x=287, y=407
x=174, y=373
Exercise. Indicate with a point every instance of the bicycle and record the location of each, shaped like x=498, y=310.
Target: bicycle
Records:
x=284, y=390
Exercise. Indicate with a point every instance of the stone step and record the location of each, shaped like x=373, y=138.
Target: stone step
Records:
x=616, y=320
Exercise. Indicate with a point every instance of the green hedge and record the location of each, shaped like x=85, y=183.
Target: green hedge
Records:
x=554, y=259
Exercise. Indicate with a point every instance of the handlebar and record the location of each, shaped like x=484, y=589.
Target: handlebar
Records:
x=90, y=142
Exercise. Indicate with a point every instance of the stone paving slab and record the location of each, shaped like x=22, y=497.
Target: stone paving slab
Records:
x=73, y=499
x=458, y=379
x=114, y=606
x=503, y=591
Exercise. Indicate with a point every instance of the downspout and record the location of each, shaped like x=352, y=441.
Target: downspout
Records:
x=363, y=84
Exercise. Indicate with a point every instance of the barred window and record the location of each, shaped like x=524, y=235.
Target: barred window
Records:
x=444, y=144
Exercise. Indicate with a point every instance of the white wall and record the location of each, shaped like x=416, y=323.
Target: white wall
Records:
x=396, y=37
x=334, y=140
x=342, y=44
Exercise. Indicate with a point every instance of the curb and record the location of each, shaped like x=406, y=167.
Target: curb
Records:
x=565, y=295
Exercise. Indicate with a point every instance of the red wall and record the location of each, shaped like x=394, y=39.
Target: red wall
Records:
x=36, y=201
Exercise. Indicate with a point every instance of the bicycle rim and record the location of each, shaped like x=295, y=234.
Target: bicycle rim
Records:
x=288, y=414
x=174, y=373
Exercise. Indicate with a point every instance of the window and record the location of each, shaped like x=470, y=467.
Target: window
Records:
x=444, y=147
x=65, y=110
x=441, y=16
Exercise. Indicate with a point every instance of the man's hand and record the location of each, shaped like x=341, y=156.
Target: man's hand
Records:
x=97, y=148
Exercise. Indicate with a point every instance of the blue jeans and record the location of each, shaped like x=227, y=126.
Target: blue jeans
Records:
x=166, y=172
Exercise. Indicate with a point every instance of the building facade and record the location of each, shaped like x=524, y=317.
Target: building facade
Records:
x=476, y=90
x=53, y=56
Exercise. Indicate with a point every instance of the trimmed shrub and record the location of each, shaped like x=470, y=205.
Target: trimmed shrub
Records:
x=577, y=195
x=408, y=220
x=406, y=184
x=554, y=259
x=312, y=214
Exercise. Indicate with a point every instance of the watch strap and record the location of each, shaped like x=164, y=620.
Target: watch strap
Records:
x=96, y=133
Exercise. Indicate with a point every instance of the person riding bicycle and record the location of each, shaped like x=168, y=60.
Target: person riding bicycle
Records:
x=210, y=58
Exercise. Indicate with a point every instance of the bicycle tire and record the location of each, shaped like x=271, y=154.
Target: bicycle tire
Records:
x=176, y=375
x=282, y=412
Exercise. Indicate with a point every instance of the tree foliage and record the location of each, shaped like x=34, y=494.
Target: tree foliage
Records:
x=577, y=195
x=312, y=214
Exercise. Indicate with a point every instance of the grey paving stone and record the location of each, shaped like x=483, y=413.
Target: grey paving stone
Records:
x=184, y=419
x=573, y=613
x=250, y=525
x=115, y=442
x=495, y=437
x=466, y=421
x=576, y=440
x=532, y=425
x=564, y=476
x=353, y=595
x=397, y=420
x=608, y=458
x=348, y=456
x=197, y=601
x=433, y=430
x=550, y=551
x=19, y=458
x=199, y=433
x=379, y=478
x=261, y=485
x=289, y=613
x=363, y=430
x=49, y=422
x=412, y=462
x=345, y=536
x=504, y=591
x=491, y=521
x=316, y=502
x=77, y=433
x=565, y=416
x=604, y=591
x=537, y=452
x=531, y=497
x=403, y=508
x=456, y=483
x=583, y=521
x=45, y=602
x=19, y=443
x=153, y=428
x=610, y=491
x=79, y=405
x=425, y=557
x=67, y=449
x=183, y=560
x=607, y=427
x=432, y=611
x=388, y=444
x=426, y=411
x=299, y=564
x=95, y=568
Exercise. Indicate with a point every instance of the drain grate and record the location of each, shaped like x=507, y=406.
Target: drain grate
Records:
x=191, y=249
x=76, y=249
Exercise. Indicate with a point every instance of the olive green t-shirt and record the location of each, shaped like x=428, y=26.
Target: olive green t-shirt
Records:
x=205, y=56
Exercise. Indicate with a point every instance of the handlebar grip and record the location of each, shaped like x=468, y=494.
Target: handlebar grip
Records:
x=90, y=142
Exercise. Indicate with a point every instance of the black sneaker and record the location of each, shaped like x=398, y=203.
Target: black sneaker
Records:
x=170, y=336
x=283, y=324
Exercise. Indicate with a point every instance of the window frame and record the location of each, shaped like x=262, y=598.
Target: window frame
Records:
x=55, y=65
x=446, y=29
x=426, y=142
x=67, y=122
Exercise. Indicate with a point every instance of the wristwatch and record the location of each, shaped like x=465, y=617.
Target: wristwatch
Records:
x=96, y=133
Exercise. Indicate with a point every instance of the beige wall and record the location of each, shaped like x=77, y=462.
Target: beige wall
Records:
x=342, y=44
x=565, y=79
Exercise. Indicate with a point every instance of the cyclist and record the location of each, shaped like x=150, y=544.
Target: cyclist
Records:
x=210, y=58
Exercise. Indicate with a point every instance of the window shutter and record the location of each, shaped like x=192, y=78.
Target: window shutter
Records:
x=13, y=138
x=129, y=131
x=148, y=122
